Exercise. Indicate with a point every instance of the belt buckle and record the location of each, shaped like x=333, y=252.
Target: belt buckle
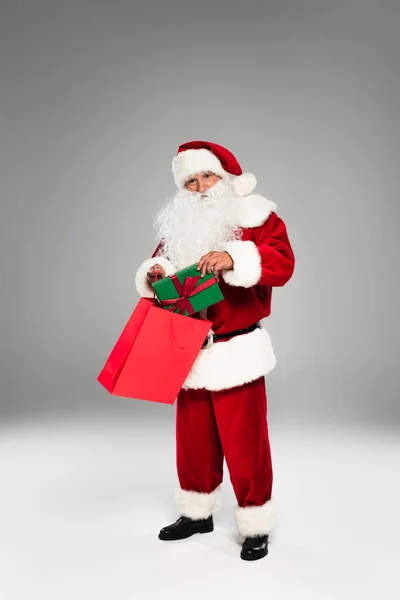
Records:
x=208, y=342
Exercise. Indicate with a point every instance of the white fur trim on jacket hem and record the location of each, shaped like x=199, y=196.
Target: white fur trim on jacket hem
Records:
x=142, y=285
x=256, y=520
x=197, y=505
x=233, y=363
x=246, y=270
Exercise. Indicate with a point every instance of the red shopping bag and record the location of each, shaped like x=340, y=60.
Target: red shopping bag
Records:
x=153, y=354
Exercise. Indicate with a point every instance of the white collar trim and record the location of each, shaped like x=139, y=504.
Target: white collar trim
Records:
x=253, y=210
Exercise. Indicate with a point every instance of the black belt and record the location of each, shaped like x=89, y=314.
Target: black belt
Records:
x=231, y=334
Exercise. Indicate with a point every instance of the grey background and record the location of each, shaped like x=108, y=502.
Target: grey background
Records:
x=95, y=98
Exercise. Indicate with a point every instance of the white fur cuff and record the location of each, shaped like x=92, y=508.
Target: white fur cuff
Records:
x=197, y=505
x=142, y=285
x=256, y=520
x=247, y=264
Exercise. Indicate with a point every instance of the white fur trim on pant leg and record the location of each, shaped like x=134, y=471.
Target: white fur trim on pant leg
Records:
x=142, y=285
x=197, y=505
x=256, y=520
x=246, y=270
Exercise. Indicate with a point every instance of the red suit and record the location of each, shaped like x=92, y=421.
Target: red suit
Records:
x=222, y=408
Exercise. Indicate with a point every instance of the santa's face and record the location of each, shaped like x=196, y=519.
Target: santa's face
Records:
x=200, y=182
x=194, y=223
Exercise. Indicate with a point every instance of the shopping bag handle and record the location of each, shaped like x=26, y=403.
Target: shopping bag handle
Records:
x=188, y=333
x=155, y=298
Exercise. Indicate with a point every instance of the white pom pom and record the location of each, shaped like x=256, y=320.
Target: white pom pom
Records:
x=244, y=184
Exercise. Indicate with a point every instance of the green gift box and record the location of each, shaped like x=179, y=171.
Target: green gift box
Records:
x=187, y=293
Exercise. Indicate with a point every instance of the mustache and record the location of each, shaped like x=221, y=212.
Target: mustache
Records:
x=223, y=186
x=221, y=192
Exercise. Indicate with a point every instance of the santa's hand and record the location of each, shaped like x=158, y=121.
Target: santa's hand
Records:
x=215, y=262
x=155, y=272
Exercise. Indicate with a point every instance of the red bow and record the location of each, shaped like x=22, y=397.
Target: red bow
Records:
x=186, y=291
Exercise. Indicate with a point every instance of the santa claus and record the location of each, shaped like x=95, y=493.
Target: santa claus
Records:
x=217, y=221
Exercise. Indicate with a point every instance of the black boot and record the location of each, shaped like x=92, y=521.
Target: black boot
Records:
x=185, y=527
x=254, y=548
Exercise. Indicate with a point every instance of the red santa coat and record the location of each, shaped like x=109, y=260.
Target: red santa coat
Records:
x=263, y=258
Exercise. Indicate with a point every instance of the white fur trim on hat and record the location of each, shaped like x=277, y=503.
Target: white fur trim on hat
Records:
x=256, y=520
x=244, y=184
x=143, y=286
x=188, y=162
x=197, y=505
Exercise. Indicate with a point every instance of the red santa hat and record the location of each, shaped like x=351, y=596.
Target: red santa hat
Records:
x=194, y=157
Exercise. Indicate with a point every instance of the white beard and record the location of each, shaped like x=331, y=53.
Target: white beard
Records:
x=191, y=225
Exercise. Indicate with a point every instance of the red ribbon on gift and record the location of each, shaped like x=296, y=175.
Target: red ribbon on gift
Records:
x=186, y=290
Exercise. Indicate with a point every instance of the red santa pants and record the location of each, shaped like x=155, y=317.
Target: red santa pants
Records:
x=230, y=423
